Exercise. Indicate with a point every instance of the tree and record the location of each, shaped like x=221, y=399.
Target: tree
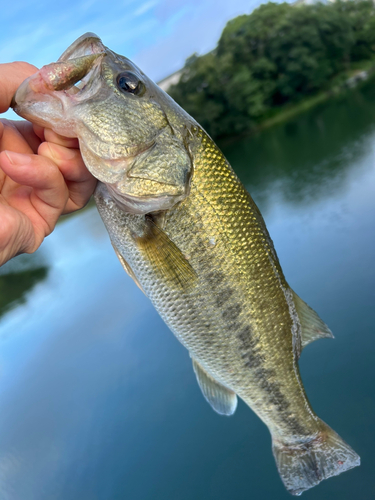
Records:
x=278, y=54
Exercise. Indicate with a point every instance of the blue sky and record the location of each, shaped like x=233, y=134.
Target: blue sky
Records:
x=158, y=35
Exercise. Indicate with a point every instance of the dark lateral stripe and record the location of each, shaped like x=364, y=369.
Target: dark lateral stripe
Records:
x=254, y=360
x=224, y=296
x=215, y=278
x=231, y=313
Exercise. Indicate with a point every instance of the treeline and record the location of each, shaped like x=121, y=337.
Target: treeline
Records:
x=278, y=54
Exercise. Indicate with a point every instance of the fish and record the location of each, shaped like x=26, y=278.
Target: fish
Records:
x=191, y=237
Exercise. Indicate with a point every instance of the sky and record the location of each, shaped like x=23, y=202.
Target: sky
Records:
x=158, y=35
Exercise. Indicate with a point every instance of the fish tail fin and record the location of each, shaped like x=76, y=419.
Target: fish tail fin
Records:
x=304, y=465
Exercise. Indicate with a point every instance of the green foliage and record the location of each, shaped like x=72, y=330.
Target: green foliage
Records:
x=360, y=15
x=278, y=54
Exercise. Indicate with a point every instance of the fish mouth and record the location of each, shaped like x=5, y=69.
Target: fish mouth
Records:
x=49, y=98
x=56, y=84
x=85, y=45
x=78, y=65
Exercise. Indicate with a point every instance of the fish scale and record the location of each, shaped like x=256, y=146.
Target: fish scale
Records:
x=229, y=215
x=192, y=238
x=234, y=332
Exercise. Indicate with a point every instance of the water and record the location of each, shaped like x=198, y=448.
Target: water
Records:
x=99, y=400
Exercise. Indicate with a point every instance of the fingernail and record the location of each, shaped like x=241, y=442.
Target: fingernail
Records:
x=17, y=158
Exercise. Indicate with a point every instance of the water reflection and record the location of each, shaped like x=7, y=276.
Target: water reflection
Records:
x=98, y=399
x=18, y=278
x=310, y=156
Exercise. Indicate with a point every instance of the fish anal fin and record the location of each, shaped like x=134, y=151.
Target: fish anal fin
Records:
x=222, y=399
x=313, y=328
x=165, y=257
x=127, y=268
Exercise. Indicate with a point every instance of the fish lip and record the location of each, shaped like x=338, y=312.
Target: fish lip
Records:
x=87, y=44
x=132, y=150
x=128, y=152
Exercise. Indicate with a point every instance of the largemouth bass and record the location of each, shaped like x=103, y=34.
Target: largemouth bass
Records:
x=192, y=238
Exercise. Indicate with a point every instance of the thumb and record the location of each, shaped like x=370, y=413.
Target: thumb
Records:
x=11, y=77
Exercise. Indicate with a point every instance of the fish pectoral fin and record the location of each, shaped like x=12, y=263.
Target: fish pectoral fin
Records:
x=313, y=328
x=222, y=399
x=165, y=257
x=127, y=268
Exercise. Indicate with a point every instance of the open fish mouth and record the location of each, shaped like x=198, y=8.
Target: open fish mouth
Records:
x=70, y=94
x=60, y=82
x=76, y=67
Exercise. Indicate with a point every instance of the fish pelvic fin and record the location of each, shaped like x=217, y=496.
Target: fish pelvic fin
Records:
x=313, y=328
x=302, y=466
x=127, y=268
x=221, y=399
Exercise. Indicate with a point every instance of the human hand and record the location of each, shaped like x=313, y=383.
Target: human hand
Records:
x=42, y=175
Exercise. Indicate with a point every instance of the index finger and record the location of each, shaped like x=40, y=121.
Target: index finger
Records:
x=67, y=142
x=11, y=77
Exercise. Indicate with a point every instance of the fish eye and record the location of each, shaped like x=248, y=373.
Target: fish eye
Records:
x=130, y=83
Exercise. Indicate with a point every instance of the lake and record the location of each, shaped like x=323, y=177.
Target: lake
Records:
x=99, y=400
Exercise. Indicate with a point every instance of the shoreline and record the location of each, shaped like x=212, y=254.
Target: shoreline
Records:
x=341, y=85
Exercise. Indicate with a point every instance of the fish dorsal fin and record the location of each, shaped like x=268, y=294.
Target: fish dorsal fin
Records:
x=222, y=400
x=313, y=328
x=127, y=268
x=165, y=257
